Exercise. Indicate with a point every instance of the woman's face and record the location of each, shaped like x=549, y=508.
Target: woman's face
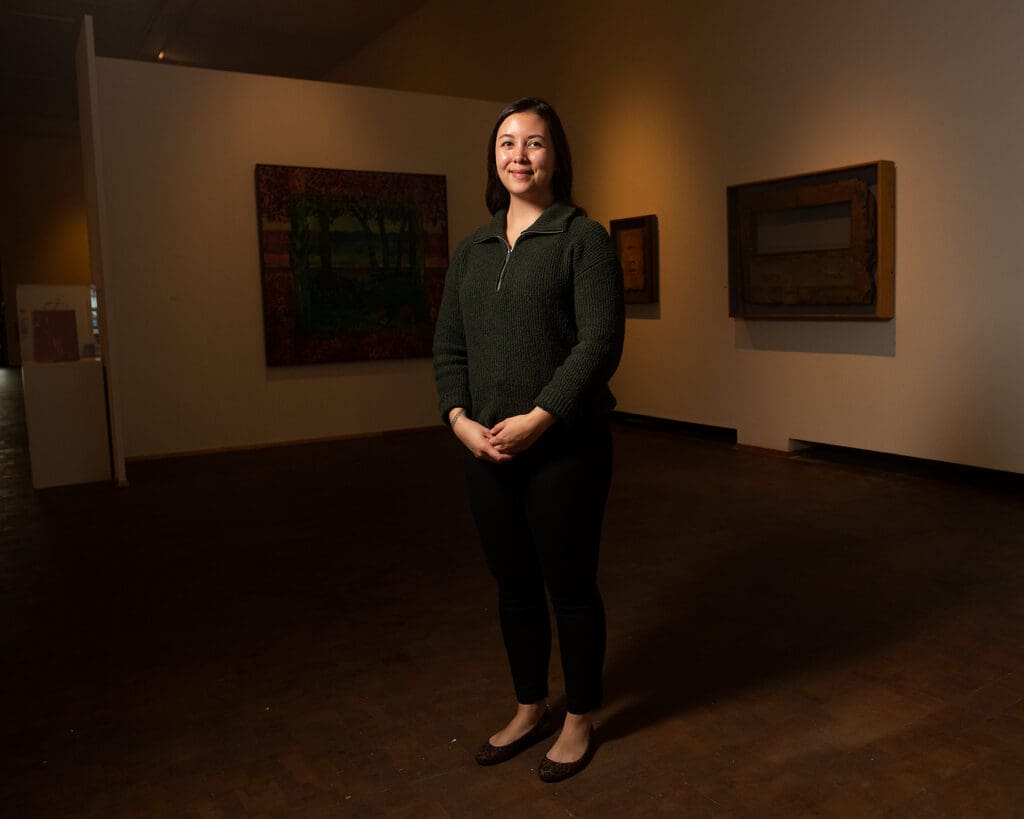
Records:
x=525, y=157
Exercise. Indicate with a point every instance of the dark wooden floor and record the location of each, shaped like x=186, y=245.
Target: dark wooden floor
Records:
x=310, y=632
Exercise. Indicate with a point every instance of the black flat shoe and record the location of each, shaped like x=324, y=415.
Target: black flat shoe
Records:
x=550, y=771
x=493, y=754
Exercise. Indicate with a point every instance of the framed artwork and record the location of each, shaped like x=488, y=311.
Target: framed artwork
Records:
x=636, y=242
x=55, y=335
x=352, y=263
x=819, y=245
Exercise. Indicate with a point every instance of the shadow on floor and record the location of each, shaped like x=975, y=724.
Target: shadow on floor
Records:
x=773, y=570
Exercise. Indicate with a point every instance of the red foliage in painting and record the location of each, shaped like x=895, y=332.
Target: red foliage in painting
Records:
x=273, y=192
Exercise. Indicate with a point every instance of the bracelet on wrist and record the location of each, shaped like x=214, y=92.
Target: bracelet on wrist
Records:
x=455, y=418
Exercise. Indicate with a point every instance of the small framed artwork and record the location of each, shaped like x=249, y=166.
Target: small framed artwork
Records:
x=636, y=242
x=55, y=335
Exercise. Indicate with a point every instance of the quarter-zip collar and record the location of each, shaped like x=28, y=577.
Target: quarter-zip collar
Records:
x=554, y=219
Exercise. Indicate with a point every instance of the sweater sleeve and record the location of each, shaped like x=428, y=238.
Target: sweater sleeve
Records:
x=451, y=370
x=600, y=325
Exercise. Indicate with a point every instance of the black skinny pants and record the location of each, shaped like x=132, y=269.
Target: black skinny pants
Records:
x=539, y=517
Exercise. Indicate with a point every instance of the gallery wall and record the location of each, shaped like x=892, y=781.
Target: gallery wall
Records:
x=43, y=236
x=179, y=146
x=669, y=103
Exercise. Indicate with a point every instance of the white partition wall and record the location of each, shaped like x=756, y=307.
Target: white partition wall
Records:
x=96, y=215
x=178, y=150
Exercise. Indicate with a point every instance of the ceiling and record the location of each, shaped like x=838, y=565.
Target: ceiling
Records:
x=303, y=39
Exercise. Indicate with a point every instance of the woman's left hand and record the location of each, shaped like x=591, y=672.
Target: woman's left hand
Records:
x=519, y=432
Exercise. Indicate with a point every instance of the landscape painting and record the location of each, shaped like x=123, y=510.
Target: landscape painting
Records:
x=352, y=263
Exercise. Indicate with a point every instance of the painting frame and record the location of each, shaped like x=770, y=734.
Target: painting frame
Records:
x=636, y=243
x=352, y=262
x=819, y=245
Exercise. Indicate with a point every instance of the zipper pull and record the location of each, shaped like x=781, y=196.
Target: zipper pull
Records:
x=501, y=274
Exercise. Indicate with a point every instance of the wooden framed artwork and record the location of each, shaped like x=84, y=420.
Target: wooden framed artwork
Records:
x=352, y=263
x=817, y=246
x=636, y=242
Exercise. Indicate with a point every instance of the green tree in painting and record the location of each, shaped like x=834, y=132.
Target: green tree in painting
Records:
x=332, y=213
x=282, y=196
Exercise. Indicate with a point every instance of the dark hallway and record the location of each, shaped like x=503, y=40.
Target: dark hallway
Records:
x=309, y=632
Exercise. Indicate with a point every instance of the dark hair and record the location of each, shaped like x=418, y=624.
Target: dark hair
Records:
x=561, y=183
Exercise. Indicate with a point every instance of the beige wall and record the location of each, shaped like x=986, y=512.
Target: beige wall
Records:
x=43, y=236
x=179, y=147
x=668, y=103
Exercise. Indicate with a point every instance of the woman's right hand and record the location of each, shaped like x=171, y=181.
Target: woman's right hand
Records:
x=477, y=439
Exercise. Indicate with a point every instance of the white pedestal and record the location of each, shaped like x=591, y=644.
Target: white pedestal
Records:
x=66, y=416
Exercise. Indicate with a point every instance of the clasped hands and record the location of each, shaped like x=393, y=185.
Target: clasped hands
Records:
x=505, y=439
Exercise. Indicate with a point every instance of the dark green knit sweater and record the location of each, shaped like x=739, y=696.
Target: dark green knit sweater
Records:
x=539, y=325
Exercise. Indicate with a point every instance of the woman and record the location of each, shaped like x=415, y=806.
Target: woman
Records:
x=529, y=332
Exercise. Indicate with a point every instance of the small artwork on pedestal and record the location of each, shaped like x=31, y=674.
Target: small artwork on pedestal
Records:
x=54, y=335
